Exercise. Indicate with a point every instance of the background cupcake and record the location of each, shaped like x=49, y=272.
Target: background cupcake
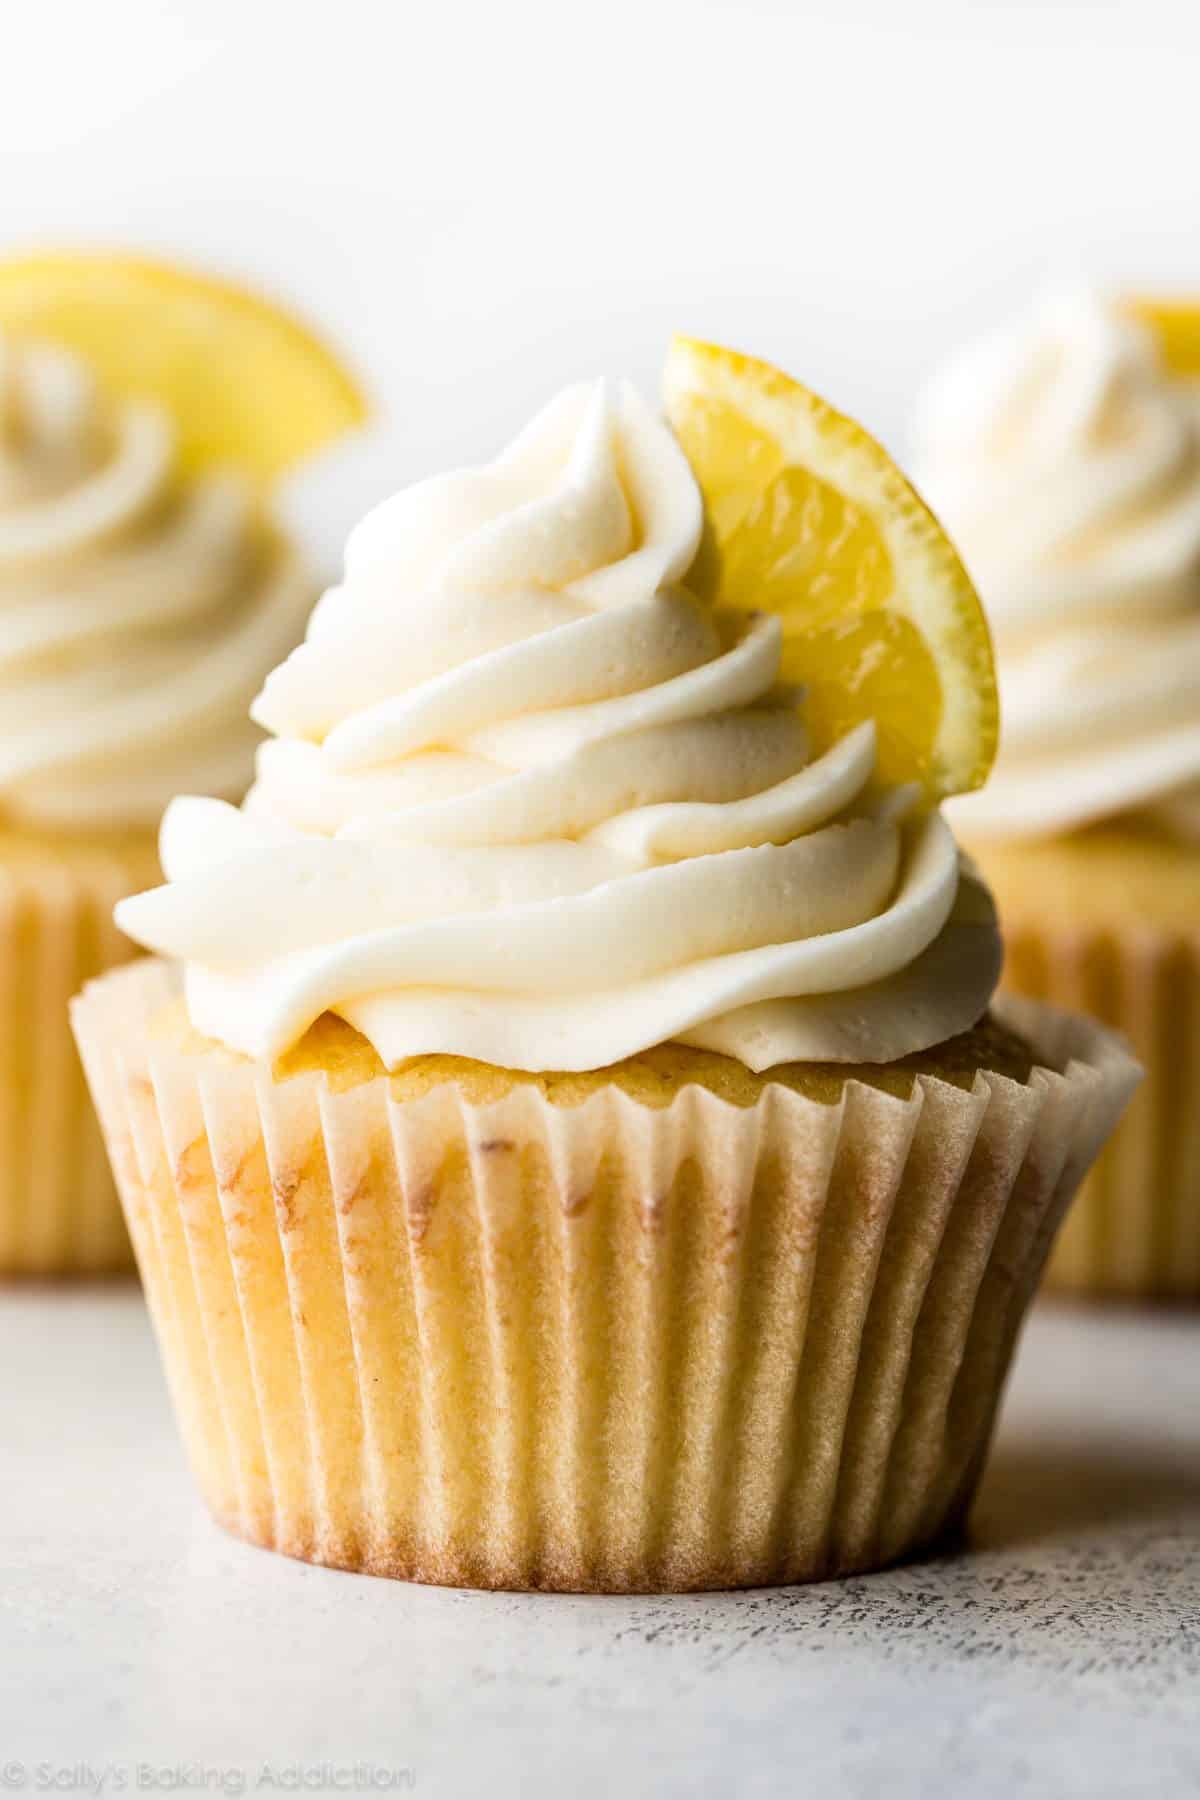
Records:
x=1064, y=457
x=570, y=1150
x=144, y=592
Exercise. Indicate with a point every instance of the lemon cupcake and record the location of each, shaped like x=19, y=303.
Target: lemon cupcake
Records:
x=563, y=1133
x=144, y=593
x=1064, y=457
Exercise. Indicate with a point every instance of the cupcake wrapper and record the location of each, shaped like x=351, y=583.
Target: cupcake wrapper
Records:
x=1134, y=1230
x=59, y=1213
x=607, y=1347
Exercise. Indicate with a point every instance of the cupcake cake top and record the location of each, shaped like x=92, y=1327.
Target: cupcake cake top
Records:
x=139, y=611
x=1065, y=461
x=529, y=800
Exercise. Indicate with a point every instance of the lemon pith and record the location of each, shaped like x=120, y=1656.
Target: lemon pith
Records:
x=247, y=384
x=809, y=518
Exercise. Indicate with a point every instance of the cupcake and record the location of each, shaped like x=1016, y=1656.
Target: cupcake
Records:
x=1064, y=456
x=563, y=1130
x=143, y=597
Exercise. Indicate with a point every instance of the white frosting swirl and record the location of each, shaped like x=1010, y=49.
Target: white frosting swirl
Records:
x=138, y=614
x=530, y=802
x=1066, y=464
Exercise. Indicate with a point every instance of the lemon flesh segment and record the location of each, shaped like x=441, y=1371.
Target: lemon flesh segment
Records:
x=247, y=384
x=807, y=517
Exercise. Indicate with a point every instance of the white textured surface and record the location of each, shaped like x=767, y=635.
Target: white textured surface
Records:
x=1060, y=1657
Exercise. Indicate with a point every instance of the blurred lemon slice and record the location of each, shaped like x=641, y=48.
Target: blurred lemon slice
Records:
x=809, y=518
x=1176, y=325
x=247, y=384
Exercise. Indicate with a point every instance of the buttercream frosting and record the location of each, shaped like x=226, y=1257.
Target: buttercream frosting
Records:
x=139, y=612
x=527, y=800
x=1065, y=462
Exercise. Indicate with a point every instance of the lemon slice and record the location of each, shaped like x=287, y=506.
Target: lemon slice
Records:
x=1176, y=326
x=247, y=384
x=809, y=518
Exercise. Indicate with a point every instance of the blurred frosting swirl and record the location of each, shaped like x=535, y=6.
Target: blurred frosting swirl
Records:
x=1066, y=464
x=138, y=612
x=529, y=801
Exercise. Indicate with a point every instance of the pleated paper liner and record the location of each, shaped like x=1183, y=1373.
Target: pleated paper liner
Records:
x=59, y=1213
x=1135, y=1229
x=603, y=1347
